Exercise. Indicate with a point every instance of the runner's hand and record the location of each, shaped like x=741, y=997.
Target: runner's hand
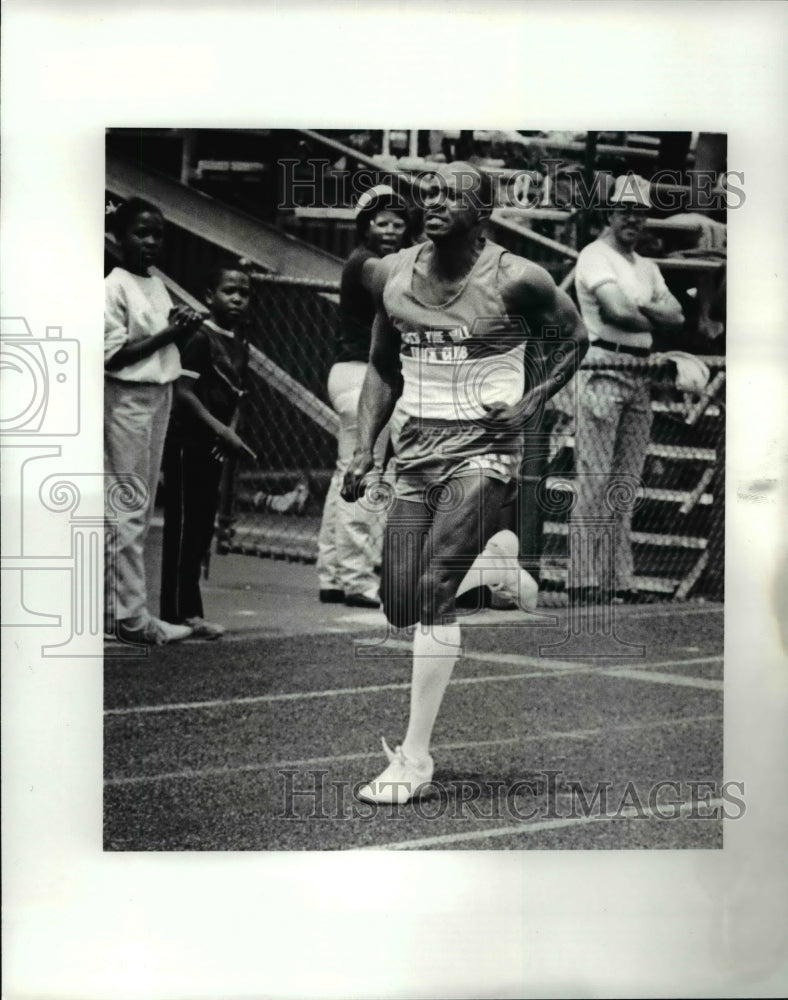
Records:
x=353, y=485
x=513, y=418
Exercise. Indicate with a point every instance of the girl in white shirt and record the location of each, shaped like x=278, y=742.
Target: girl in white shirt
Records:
x=142, y=332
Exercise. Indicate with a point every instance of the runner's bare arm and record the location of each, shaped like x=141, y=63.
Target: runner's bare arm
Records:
x=533, y=295
x=550, y=308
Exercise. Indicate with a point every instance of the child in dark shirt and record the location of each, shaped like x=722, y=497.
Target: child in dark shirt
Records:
x=201, y=435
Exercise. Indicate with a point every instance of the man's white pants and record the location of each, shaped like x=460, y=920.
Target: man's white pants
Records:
x=136, y=415
x=350, y=543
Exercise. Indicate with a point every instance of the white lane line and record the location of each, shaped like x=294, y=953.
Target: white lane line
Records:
x=525, y=828
x=648, y=664
x=632, y=671
x=575, y=734
x=514, y=618
x=655, y=677
x=295, y=696
x=511, y=659
x=547, y=662
x=677, y=611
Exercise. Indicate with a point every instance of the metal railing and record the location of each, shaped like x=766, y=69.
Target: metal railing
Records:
x=676, y=504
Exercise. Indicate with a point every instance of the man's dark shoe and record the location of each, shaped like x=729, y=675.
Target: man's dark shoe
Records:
x=359, y=601
x=630, y=597
x=583, y=596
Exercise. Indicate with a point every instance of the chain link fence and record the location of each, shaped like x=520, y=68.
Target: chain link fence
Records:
x=675, y=507
x=272, y=508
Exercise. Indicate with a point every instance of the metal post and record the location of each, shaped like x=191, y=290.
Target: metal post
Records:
x=712, y=582
x=588, y=173
x=187, y=154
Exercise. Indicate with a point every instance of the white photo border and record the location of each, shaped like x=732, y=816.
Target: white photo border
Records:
x=82, y=923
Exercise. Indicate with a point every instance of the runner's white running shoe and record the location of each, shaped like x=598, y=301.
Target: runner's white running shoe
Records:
x=401, y=781
x=514, y=583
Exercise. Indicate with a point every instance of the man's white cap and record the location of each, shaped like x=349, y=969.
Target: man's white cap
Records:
x=375, y=194
x=692, y=374
x=631, y=189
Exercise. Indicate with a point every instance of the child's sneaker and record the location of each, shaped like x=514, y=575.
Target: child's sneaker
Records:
x=154, y=632
x=293, y=502
x=401, y=781
x=201, y=629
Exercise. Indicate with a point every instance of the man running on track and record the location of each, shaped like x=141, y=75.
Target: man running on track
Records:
x=447, y=366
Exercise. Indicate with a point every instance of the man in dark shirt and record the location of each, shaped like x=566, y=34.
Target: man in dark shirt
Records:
x=351, y=534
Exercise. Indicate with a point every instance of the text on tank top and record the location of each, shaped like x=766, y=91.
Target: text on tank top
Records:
x=460, y=355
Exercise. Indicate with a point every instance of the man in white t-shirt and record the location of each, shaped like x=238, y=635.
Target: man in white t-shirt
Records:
x=623, y=298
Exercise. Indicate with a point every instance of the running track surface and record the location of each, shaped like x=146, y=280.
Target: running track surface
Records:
x=255, y=742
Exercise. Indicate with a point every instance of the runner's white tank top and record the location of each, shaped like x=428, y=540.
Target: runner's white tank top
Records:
x=461, y=354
